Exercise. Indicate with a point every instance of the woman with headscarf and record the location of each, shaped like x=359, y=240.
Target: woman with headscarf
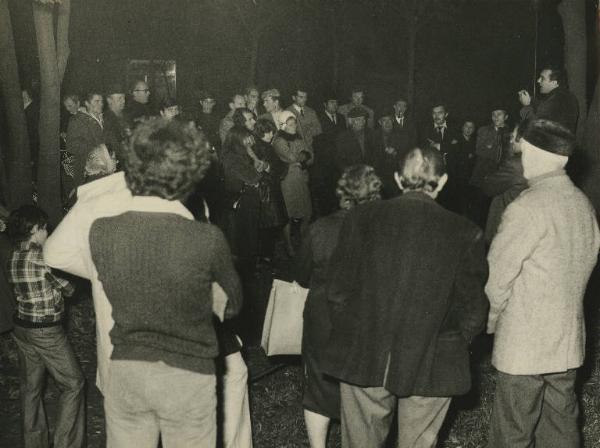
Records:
x=293, y=151
x=321, y=400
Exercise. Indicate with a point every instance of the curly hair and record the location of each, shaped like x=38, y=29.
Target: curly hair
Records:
x=22, y=221
x=358, y=184
x=165, y=159
x=421, y=170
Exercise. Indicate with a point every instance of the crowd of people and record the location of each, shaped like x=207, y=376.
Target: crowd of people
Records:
x=412, y=240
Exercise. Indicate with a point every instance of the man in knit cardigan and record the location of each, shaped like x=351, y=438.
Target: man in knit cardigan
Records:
x=540, y=262
x=156, y=266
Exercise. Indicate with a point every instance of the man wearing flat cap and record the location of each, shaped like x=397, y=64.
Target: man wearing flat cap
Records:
x=355, y=144
x=540, y=262
x=116, y=127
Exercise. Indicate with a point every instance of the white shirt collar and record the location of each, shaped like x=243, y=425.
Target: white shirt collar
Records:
x=445, y=125
x=113, y=183
x=154, y=204
x=298, y=108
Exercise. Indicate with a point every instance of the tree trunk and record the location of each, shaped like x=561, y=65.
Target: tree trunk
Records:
x=412, y=30
x=18, y=155
x=254, y=48
x=49, y=197
x=572, y=13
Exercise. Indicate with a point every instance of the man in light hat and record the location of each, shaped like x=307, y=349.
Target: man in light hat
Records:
x=272, y=105
x=540, y=262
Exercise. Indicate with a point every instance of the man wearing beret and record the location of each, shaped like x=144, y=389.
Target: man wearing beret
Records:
x=355, y=144
x=540, y=262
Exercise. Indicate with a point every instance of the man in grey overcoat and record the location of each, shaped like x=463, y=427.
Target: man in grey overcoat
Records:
x=540, y=262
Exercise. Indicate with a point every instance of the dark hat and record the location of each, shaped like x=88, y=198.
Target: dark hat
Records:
x=115, y=88
x=330, y=96
x=357, y=112
x=386, y=113
x=549, y=136
x=205, y=95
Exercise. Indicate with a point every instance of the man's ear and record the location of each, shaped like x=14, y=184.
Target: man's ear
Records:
x=398, y=180
x=441, y=183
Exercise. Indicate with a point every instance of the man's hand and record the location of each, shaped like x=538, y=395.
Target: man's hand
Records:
x=524, y=97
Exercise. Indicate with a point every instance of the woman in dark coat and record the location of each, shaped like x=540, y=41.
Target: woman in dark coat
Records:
x=273, y=215
x=321, y=399
x=242, y=177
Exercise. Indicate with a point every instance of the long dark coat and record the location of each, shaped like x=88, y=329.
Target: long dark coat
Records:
x=406, y=295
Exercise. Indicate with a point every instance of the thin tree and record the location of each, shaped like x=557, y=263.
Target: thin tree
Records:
x=18, y=157
x=53, y=53
x=416, y=15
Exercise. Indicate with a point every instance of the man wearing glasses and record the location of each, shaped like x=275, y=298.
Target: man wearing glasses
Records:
x=139, y=108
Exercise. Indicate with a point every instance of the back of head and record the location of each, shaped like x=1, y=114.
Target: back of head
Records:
x=165, y=159
x=99, y=162
x=358, y=184
x=421, y=170
x=22, y=221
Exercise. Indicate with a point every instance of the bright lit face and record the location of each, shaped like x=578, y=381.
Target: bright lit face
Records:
x=168, y=113
x=238, y=102
x=270, y=104
x=300, y=98
x=331, y=106
x=208, y=105
x=545, y=83
x=252, y=98
x=499, y=118
x=291, y=126
x=400, y=107
x=358, y=98
x=268, y=137
x=94, y=106
x=249, y=121
x=71, y=106
x=39, y=235
x=141, y=93
x=386, y=124
x=116, y=102
x=439, y=115
x=358, y=123
x=468, y=128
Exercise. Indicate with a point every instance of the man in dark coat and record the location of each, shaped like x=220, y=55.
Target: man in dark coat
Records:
x=556, y=102
x=404, y=126
x=406, y=299
x=354, y=145
x=323, y=174
x=116, y=128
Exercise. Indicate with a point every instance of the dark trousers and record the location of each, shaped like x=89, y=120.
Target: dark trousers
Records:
x=41, y=349
x=535, y=411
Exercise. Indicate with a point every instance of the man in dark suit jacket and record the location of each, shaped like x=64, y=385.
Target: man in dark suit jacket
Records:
x=442, y=136
x=355, y=144
x=323, y=174
x=406, y=298
x=404, y=125
x=556, y=102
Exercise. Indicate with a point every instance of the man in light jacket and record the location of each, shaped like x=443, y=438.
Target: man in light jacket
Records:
x=540, y=262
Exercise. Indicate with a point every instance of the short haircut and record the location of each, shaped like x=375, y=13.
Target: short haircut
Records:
x=238, y=116
x=263, y=127
x=356, y=89
x=165, y=159
x=299, y=89
x=421, y=169
x=439, y=104
x=70, y=96
x=167, y=102
x=232, y=97
x=249, y=89
x=90, y=94
x=22, y=221
x=99, y=162
x=358, y=184
x=271, y=93
x=557, y=74
x=135, y=82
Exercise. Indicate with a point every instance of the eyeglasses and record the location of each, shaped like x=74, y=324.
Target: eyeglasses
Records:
x=142, y=90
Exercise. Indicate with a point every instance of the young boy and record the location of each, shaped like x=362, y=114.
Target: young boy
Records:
x=40, y=337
